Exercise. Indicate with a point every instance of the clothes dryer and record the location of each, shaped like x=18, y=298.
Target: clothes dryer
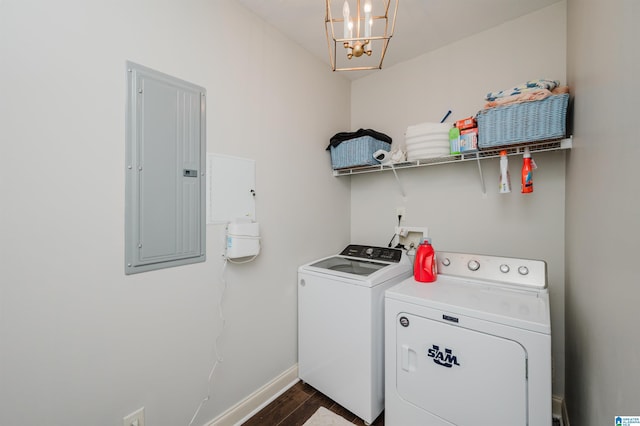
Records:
x=472, y=348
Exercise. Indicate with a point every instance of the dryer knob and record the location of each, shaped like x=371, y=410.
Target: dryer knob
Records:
x=504, y=268
x=523, y=270
x=473, y=265
x=446, y=261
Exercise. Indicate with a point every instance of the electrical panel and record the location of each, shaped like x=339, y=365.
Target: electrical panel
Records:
x=165, y=206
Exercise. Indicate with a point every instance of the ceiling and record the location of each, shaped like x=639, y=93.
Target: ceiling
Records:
x=421, y=25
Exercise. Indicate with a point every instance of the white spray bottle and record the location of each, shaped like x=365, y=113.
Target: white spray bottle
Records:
x=505, y=179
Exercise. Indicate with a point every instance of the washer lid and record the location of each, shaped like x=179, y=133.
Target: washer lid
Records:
x=367, y=272
x=515, y=307
x=349, y=266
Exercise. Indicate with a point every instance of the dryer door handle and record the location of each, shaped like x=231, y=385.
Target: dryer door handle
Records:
x=408, y=358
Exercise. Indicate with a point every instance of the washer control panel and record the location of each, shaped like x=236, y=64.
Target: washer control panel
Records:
x=373, y=253
x=503, y=270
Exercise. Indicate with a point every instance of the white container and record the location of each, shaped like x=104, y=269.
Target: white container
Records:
x=423, y=154
x=243, y=239
x=427, y=129
x=427, y=140
x=505, y=179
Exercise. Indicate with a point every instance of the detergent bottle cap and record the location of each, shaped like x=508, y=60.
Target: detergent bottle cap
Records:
x=503, y=153
x=425, y=240
x=527, y=153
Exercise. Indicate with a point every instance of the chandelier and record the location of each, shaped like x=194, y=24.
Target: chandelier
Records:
x=362, y=35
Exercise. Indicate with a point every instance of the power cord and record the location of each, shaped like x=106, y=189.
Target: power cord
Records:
x=218, y=358
x=391, y=241
x=395, y=235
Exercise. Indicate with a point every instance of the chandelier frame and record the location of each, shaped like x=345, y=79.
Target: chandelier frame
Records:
x=354, y=47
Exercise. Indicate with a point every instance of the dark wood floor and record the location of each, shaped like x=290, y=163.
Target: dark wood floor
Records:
x=297, y=404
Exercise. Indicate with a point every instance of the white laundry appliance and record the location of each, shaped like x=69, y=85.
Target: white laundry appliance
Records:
x=472, y=348
x=341, y=324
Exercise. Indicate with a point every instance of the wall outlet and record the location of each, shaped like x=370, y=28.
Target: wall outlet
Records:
x=134, y=419
x=401, y=211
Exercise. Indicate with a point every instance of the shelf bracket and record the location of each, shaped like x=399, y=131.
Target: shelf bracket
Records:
x=398, y=180
x=483, y=186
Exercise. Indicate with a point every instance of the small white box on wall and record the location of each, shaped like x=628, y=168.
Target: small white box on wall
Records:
x=243, y=239
x=231, y=186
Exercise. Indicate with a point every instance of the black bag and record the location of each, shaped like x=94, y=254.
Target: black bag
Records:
x=338, y=138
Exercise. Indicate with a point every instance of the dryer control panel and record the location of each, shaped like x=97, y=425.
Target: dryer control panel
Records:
x=373, y=253
x=525, y=273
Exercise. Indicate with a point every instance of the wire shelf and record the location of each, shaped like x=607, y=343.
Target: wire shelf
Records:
x=551, y=145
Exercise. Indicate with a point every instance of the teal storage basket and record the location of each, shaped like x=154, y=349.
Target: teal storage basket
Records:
x=523, y=122
x=356, y=152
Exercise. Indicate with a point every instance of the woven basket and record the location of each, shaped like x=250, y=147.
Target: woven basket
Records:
x=357, y=152
x=523, y=122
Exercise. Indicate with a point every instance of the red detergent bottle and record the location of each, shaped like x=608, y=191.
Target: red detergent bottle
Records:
x=527, y=172
x=425, y=268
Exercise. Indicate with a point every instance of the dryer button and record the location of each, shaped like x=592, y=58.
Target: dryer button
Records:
x=473, y=265
x=404, y=321
x=504, y=268
x=523, y=270
x=446, y=261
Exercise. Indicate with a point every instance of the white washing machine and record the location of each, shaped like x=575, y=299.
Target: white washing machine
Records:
x=472, y=348
x=341, y=324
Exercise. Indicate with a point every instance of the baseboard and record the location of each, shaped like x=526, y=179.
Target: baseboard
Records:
x=246, y=408
x=565, y=414
x=556, y=406
x=559, y=409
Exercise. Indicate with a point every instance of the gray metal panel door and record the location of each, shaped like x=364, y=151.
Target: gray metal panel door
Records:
x=165, y=171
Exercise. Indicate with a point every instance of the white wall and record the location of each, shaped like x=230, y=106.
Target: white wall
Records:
x=80, y=342
x=603, y=229
x=448, y=198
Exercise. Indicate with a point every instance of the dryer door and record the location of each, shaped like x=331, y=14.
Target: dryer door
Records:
x=463, y=376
